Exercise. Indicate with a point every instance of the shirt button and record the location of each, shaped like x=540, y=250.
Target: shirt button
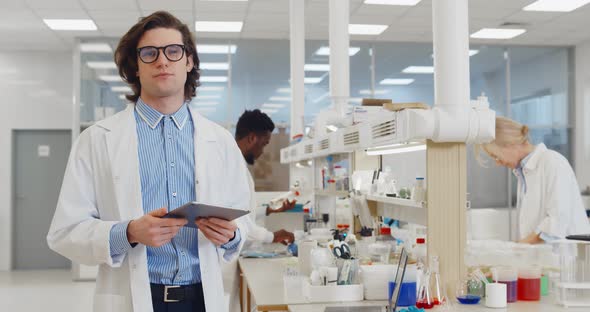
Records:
x=174, y=194
x=172, y=165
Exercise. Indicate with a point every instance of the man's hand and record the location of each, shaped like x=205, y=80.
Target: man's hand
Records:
x=283, y=237
x=218, y=231
x=287, y=205
x=152, y=230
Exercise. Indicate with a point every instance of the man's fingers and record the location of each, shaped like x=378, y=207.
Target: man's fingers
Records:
x=213, y=236
x=215, y=222
x=214, y=228
x=158, y=212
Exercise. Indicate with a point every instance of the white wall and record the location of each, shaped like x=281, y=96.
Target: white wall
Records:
x=36, y=91
x=582, y=115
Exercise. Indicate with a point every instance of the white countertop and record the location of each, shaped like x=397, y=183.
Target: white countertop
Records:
x=545, y=305
x=265, y=280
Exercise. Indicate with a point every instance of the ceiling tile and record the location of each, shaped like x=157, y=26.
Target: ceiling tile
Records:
x=62, y=13
x=168, y=5
x=53, y=4
x=112, y=5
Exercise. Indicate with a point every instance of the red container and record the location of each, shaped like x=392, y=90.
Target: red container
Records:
x=529, y=289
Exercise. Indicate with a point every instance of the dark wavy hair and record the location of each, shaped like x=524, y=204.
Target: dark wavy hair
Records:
x=126, y=56
x=253, y=121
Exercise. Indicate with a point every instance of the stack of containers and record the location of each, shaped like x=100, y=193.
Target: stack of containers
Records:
x=508, y=276
x=529, y=283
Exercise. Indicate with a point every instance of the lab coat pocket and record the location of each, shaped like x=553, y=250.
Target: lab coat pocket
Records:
x=110, y=303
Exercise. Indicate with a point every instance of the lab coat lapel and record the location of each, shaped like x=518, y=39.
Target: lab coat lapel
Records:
x=203, y=142
x=122, y=150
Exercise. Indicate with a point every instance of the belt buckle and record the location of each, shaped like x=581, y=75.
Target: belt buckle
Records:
x=166, y=293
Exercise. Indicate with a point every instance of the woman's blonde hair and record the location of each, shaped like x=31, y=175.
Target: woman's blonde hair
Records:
x=508, y=132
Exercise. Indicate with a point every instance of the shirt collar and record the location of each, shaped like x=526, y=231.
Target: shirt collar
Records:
x=152, y=117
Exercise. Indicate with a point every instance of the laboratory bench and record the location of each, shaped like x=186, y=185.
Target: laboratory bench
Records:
x=262, y=280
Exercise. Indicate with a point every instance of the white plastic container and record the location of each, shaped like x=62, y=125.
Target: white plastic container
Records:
x=573, y=290
x=332, y=293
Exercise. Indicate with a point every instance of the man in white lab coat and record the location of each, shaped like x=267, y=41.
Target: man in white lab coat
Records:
x=127, y=171
x=253, y=133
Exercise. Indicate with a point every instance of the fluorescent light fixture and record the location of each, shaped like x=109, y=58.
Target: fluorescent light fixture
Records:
x=209, y=97
x=498, y=33
x=326, y=51
x=316, y=67
x=273, y=105
x=95, y=47
x=214, y=66
x=207, y=26
x=321, y=97
x=418, y=70
x=102, y=65
x=555, y=5
x=396, y=82
x=210, y=88
x=393, y=2
x=110, y=78
x=206, y=103
x=70, y=24
x=366, y=29
x=332, y=128
x=312, y=80
x=376, y=92
x=269, y=111
x=284, y=90
x=355, y=100
x=216, y=48
x=280, y=98
x=121, y=89
x=396, y=148
x=471, y=53
x=213, y=79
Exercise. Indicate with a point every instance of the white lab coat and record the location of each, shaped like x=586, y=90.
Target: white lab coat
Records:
x=256, y=233
x=102, y=186
x=552, y=203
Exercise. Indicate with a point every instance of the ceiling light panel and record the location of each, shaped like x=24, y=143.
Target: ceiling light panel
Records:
x=366, y=29
x=70, y=24
x=556, y=5
x=418, y=70
x=498, y=33
x=326, y=51
x=396, y=82
x=210, y=26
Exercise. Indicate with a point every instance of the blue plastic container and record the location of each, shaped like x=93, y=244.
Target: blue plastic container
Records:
x=407, y=295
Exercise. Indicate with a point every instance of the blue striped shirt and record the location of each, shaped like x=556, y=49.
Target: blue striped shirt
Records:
x=167, y=172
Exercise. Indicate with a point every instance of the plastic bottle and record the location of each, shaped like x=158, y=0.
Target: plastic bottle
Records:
x=419, y=190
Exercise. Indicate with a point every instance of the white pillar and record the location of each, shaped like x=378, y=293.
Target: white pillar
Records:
x=451, y=53
x=297, y=53
x=339, y=58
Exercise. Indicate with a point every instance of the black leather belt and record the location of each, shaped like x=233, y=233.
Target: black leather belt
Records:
x=174, y=293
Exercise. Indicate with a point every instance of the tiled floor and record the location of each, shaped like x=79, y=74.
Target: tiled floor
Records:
x=44, y=291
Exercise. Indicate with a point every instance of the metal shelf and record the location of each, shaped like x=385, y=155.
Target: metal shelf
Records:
x=320, y=192
x=397, y=201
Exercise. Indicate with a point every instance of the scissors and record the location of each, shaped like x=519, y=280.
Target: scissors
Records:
x=342, y=252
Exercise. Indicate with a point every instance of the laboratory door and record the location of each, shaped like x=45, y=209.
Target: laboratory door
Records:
x=38, y=162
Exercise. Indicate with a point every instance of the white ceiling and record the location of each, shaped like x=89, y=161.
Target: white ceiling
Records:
x=22, y=28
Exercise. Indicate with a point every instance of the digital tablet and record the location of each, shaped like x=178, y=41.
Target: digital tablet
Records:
x=193, y=210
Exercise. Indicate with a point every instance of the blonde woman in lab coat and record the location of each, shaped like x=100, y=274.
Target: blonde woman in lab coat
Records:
x=549, y=203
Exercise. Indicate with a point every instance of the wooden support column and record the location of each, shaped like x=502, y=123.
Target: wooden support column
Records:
x=446, y=191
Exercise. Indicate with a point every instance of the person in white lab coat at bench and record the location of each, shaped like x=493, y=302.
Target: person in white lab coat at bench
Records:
x=127, y=171
x=253, y=133
x=549, y=204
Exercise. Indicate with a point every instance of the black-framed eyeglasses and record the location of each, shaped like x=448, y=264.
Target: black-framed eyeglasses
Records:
x=149, y=54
